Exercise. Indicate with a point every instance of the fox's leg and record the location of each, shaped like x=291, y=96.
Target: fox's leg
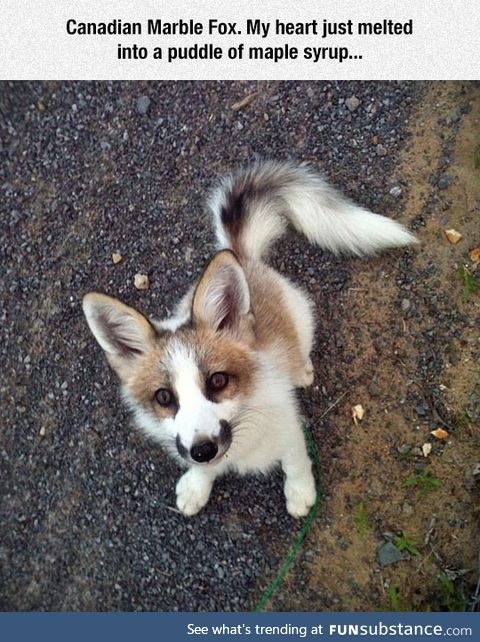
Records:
x=193, y=489
x=299, y=486
x=301, y=312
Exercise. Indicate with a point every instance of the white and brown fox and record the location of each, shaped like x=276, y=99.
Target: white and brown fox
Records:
x=216, y=383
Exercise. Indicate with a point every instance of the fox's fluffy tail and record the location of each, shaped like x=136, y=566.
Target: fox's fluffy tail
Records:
x=253, y=207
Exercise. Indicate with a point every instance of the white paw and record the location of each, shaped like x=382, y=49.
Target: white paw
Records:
x=306, y=378
x=192, y=493
x=300, y=494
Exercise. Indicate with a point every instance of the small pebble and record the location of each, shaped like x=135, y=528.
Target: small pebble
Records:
x=407, y=509
x=420, y=410
x=352, y=103
x=381, y=150
x=396, y=191
x=143, y=104
x=453, y=236
x=140, y=281
x=388, y=553
x=406, y=305
x=472, y=477
x=444, y=182
x=404, y=450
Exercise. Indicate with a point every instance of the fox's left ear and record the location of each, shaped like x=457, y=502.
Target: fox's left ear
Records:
x=222, y=298
x=121, y=331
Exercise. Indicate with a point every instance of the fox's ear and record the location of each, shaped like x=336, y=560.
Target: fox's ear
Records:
x=222, y=299
x=122, y=332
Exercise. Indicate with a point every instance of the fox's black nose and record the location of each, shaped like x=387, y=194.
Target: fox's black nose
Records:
x=204, y=451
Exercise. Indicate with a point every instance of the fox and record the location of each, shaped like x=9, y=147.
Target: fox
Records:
x=215, y=384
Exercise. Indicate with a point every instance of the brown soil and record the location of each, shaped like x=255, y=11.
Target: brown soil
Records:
x=390, y=355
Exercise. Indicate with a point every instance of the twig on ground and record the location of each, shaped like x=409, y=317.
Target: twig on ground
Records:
x=333, y=404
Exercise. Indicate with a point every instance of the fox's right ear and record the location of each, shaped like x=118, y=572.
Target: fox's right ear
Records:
x=222, y=299
x=121, y=331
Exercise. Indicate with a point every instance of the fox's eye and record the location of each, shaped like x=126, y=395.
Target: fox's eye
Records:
x=218, y=381
x=164, y=397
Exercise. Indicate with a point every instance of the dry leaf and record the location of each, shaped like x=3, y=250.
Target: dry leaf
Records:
x=426, y=449
x=245, y=101
x=116, y=257
x=453, y=236
x=475, y=257
x=358, y=412
x=475, y=254
x=440, y=433
x=140, y=281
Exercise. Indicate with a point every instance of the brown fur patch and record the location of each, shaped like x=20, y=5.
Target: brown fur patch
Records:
x=146, y=376
x=273, y=321
x=214, y=352
x=219, y=353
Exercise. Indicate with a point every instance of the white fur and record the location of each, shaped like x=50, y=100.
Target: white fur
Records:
x=193, y=490
x=331, y=221
x=284, y=192
x=196, y=414
x=265, y=225
x=271, y=435
x=266, y=426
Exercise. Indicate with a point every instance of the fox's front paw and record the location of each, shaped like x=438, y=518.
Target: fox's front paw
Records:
x=193, y=492
x=300, y=494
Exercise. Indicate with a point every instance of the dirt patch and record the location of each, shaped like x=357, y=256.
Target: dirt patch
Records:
x=411, y=353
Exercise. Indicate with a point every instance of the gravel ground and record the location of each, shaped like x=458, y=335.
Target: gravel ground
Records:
x=90, y=169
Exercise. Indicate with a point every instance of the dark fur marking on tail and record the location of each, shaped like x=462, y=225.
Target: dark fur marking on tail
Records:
x=245, y=193
x=233, y=211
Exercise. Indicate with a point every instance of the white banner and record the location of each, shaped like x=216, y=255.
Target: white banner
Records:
x=272, y=39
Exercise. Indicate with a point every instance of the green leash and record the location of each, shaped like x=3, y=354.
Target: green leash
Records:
x=301, y=536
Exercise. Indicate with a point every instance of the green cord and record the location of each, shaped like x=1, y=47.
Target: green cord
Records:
x=301, y=536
